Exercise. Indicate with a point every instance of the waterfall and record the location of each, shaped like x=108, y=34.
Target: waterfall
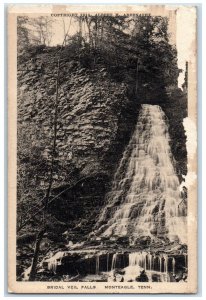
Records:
x=165, y=263
x=114, y=260
x=145, y=194
x=54, y=261
x=97, y=264
x=160, y=263
x=173, y=265
x=151, y=263
x=137, y=258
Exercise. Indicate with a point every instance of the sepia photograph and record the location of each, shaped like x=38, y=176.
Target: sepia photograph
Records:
x=102, y=149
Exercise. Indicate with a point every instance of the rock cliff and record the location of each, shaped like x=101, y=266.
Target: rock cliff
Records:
x=95, y=120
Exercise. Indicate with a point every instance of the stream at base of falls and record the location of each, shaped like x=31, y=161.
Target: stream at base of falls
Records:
x=125, y=266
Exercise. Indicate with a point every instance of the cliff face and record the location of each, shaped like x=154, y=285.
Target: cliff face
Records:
x=92, y=110
x=94, y=123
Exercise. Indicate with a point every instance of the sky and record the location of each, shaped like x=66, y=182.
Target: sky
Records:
x=185, y=39
x=181, y=28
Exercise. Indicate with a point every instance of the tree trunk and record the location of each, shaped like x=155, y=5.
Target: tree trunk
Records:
x=89, y=32
x=33, y=272
x=41, y=233
x=102, y=29
x=137, y=79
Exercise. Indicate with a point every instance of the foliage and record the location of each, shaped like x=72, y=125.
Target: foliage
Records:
x=40, y=30
x=22, y=34
x=33, y=31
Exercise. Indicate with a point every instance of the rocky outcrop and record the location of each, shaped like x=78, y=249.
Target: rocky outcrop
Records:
x=91, y=112
x=94, y=123
x=111, y=264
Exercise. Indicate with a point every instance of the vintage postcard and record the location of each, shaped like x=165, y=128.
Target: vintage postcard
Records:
x=102, y=149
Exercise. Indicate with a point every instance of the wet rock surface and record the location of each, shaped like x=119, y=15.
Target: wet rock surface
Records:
x=123, y=265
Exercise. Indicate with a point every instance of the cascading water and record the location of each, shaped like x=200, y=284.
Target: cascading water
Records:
x=173, y=265
x=97, y=264
x=145, y=194
x=151, y=263
x=160, y=263
x=114, y=260
x=127, y=266
x=148, y=261
x=55, y=260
